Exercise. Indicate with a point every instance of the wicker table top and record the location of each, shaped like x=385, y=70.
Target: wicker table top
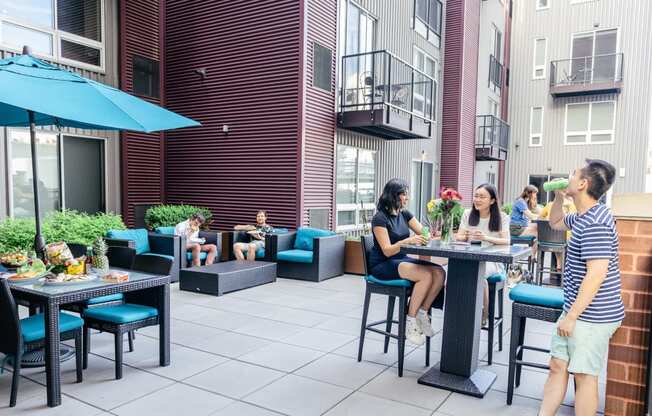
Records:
x=495, y=253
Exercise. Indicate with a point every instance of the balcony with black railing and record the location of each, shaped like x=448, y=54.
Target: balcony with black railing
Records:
x=495, y=73
x=596, y=74
x=382, y=95
x=492, y=138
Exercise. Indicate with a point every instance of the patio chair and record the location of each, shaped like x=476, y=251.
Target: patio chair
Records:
x=533, y=302
x=150, y=245
x=23, y=335
x=549, y=241
x=307, y=254
x=234, y=237
x=212, y=237
x=496, y=284
x=398, y=288
x=528, y=240
x=125, y=317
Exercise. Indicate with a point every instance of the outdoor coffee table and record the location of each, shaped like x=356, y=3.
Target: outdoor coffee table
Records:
x=458, y=368
x=220, y=278
x=153, y=290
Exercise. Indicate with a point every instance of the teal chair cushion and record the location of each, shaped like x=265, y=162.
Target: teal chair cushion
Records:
x=103, y=299
x=303, y=239
x=166, y=256
x=496, y=277
x=395, y=282
x=295, y=256
x=202, y=255
x=164, y=230
x=260, y=253
x=551, y=297
x=121, y=314
x=139, y=236
x=279, y=231
x=522, y=238
x=33, y=328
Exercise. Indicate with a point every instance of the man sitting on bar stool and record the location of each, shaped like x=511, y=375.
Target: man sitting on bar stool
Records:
x=593, y=306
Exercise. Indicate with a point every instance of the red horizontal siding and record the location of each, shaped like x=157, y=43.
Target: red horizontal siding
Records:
x=251, y=54
x=142, y=154
x=319, y=141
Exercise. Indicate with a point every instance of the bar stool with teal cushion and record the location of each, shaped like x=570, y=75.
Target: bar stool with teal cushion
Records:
x=398, y=288
x=533, y=302
x=23, y=335
x=528, y=240
x=496, y=283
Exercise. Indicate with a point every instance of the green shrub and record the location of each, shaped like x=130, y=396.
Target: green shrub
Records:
x=507, y=208
x=171, y=215
x=68, y=226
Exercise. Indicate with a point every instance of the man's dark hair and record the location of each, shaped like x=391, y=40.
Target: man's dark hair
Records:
x=601, y=176
x=199, y=217
x=390, y=200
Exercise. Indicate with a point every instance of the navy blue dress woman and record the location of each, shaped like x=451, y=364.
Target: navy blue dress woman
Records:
x=391, y=228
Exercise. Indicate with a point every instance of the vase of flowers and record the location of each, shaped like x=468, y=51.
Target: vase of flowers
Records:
x=443, y=211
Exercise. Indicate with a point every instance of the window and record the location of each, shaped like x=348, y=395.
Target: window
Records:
x=594, y=57
x=543, y=4
x=69, y=31
x=493, y=108
x=420, y=187
x=357, y=36
x=590, y=123
x=423, y=92
x=322, y=76
x=540, y=56
x=536, y=126
x=146, y=77
x=356, y=187
x=428, y=19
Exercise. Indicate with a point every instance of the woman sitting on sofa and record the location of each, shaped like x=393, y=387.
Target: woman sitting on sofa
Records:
x=257, y=235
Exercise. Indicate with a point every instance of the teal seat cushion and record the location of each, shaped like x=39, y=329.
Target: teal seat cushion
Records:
x=166, y=256
x=103, y=299
x=295, y=256
x=121, y=314
x=260, y=253
x=303, y=239
x=33, y=328
x=551, y=297
x=164, y=230
x=524, y=238
x=139, y=236
x=279, y=231
x=202, y=255
x=395, y=282
x=496, y=277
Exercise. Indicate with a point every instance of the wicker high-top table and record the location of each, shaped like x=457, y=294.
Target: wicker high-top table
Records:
x=458, y=368
x=142, y=288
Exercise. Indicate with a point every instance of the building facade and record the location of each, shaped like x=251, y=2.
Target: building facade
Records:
x=580, y=88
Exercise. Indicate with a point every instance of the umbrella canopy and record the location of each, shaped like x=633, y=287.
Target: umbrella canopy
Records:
x=62, y=98
x=33, y=92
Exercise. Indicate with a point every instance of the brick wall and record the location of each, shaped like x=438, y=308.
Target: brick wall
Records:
x=628, y=350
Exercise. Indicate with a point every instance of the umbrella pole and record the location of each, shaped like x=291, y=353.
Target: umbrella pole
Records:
x=39, y=242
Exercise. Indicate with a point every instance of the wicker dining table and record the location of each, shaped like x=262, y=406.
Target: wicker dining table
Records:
x=458, y=369
x=142, y=288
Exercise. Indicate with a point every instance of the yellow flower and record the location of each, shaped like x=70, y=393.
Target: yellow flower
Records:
x=431, y=205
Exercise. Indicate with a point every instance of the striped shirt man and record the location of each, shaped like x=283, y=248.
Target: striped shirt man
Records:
x=594, y=236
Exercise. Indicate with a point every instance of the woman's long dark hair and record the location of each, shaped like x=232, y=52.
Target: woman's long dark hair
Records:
x=390, y=200
x=495, y=221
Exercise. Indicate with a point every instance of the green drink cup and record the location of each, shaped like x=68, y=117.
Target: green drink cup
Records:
x=555, y=185
x=425, y=232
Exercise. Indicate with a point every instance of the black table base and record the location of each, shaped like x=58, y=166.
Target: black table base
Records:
x=36, y=358
x=477, y=385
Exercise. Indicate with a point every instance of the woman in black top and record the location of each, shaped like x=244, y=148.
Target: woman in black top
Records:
x=391, y=229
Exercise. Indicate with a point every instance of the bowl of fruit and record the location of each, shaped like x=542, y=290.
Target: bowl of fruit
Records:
x=14, y=260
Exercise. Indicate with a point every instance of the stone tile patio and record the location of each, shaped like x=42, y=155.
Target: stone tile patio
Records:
x=286, y=348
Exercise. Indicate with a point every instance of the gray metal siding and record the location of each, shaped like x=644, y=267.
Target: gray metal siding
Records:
x=110, y=77
x=633, y=104
x=394, y=33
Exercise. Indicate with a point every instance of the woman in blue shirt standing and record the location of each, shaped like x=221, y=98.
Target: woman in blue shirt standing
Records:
x=391, y=230
x=524, y=211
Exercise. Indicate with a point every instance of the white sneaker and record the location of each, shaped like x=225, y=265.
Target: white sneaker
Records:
x=413, y=333
x=424, y=323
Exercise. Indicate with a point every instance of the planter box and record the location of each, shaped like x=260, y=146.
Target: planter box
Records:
x=353, y=257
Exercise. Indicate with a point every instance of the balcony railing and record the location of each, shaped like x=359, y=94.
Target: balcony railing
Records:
x=383, y=95
x=597, y=74
x=492, y=138
x=495, y=73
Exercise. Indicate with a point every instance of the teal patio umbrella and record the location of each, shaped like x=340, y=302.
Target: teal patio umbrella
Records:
x=35, y=93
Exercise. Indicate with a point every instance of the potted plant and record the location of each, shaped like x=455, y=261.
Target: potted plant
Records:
x=445, y=213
